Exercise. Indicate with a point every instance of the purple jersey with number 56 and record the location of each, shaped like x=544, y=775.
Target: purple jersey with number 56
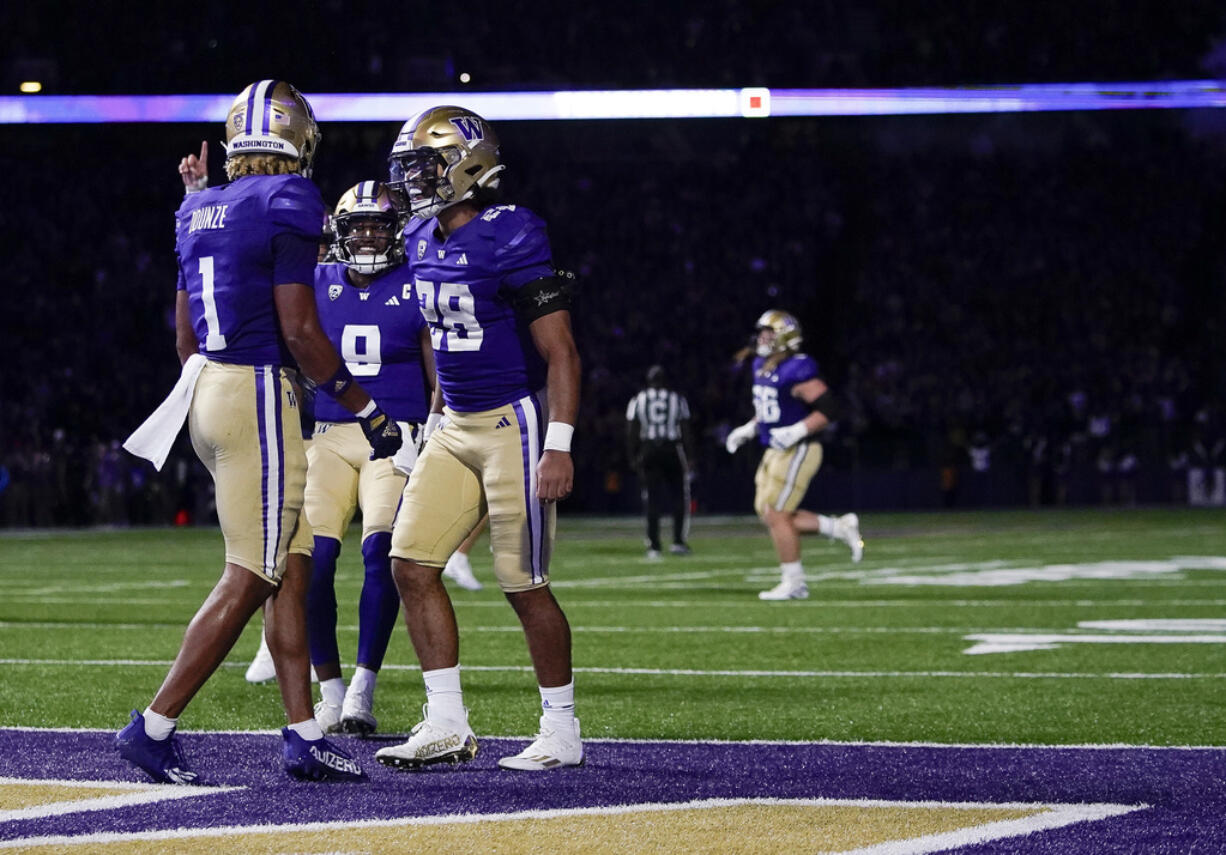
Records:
x=773, y=402
x=377, y=331
x=466, y=286
x=234, y=243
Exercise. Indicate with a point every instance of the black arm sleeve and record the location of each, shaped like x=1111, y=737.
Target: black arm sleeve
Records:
x=828, y=406
x=542, y=297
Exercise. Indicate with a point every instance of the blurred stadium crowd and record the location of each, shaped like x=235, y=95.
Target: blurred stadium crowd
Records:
x=339, y=46
x=1016, y=309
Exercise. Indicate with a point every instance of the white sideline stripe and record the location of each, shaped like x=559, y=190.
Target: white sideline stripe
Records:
x=620, y=740
x=690, y=672
x=1053, y=816
x=141, y=794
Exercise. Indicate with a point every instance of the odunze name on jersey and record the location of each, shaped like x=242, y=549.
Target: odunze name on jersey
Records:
x=209, y=217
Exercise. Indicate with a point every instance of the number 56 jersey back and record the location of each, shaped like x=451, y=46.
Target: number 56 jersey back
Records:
x=234, y=243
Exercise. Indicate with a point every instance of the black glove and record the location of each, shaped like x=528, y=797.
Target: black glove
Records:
x=382, y=433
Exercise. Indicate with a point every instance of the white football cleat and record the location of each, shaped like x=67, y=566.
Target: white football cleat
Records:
x=788, y=589
x=262, y=669
x=329, y=717
x=357, y=714
x=433, y=740
x=653, y=555
x=847, y=529
x=552, y=749
x=460, y=570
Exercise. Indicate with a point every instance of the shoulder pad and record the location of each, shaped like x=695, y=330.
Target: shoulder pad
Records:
x=295, y=204
x=520, y=237
x=799, y=368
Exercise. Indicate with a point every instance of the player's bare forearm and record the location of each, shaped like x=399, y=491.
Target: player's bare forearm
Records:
x=429, y=369
x=308, y=343
x=185, y=337
x=554, y=341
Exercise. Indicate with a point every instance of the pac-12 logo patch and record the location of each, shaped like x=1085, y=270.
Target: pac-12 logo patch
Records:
x=334, y=290
x=421, y=249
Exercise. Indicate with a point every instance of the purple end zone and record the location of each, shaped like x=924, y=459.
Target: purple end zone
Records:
x=1186, y=788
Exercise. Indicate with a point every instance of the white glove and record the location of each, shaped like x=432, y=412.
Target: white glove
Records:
x=404, y=459
x=739, y=436
x=785, y=437
x=434, y=421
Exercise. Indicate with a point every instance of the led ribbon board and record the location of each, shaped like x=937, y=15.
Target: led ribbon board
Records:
x=749, y=102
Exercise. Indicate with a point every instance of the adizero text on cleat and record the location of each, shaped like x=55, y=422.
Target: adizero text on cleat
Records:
x=318, y=760
x=433, y=740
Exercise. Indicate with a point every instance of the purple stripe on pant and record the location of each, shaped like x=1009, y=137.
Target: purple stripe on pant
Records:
x=532, y=505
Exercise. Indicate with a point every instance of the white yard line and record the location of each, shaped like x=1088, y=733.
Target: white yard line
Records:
x=688, y=672
x=137, y=794
x=1047, y=816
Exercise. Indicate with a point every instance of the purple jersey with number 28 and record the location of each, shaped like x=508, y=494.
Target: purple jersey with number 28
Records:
x=466, y=285
x=234, y=243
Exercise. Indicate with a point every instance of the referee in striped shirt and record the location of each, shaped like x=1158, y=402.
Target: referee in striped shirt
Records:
x=661, y=449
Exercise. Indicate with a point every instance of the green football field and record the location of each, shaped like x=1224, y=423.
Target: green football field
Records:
x=1083, y=627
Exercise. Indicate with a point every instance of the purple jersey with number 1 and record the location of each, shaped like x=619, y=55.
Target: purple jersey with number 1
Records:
x=377, y=331
x=773, y=402
x=234, y=243
x=466, y=285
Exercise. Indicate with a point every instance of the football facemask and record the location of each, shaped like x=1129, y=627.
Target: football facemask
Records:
x=367, y=229
x=441, y=157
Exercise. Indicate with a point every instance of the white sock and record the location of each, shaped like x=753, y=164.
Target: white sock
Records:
x=443, y=694
x=558, y=703
x=826, y=525
x=792, y=571
x=308, y=730
x=363, y=679
x=158, y=726
x=333, y=691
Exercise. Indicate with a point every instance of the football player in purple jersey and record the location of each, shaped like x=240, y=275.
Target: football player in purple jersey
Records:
x=791, y=405
x=508, y=372
x=245, y=316
x=368, y=310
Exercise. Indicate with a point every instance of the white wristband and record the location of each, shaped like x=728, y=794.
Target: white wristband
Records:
x=367, y=410
x=558, y=436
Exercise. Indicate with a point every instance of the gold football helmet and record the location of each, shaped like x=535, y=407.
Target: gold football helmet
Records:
x=367, y=229
x=272, y=117
x=787, y=336
x=441, y=157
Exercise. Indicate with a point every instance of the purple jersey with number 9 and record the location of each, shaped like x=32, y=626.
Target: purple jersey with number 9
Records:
x=234, y=243
x=466, y=285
